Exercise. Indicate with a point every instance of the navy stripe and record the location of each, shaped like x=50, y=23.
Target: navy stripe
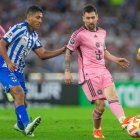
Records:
x=77, y=31
x=80, y=52
x=16, y=26
x=6, y=39
x=91, y=88
x=18, y=53
x=17, y=35
x=32, y=41
x=13, y=48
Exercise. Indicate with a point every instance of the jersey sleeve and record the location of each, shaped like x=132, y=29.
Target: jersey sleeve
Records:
x=73, y=42
x=13, y=33
x=37, y=45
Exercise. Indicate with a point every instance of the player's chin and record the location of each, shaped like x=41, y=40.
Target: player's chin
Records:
x=91, y=27
x=37, y=27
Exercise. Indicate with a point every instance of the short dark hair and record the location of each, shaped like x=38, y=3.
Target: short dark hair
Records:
x=34, y=9
x=89, y=8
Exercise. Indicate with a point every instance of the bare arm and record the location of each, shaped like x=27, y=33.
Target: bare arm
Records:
x=44, y=54
x=3, y=53
x=121, y=61
x=110, y=57
x=67, y=74
x=67, y=59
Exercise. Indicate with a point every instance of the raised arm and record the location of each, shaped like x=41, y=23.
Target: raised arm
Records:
x=67, y=73
x=44, y=54
x=121, y=61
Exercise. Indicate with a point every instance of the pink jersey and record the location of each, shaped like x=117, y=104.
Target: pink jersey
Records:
x=89, y=47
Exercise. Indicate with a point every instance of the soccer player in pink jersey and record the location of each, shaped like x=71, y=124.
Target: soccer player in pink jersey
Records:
x=89, y=44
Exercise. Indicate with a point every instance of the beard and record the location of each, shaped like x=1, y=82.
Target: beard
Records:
x=91, y=27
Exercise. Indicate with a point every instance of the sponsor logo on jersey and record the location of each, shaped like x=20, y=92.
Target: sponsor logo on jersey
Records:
x=25, y=39
x=10, y=35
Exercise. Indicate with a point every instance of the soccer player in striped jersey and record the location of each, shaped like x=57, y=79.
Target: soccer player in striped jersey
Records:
x=16, y=44
x=89, y=44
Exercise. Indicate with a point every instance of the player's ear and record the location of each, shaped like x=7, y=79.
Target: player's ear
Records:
x=28, y=17
x=83, y=17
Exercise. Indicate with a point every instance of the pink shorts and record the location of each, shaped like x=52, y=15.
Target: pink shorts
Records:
x=94, y=87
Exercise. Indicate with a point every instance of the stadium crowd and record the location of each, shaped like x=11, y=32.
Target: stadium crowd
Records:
x=120, y=18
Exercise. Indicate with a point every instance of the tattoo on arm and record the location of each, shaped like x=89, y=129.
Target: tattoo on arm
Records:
x=67, y=60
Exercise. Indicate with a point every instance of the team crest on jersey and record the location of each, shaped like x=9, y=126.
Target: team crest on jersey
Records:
x=72, y=41
x=19, y=26
x=99, y=91
x=97, y=44
x=13, y=79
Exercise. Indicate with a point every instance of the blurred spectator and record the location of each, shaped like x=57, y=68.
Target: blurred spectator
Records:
x=119, y=17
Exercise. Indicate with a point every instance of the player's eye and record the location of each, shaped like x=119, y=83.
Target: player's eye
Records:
x=93, y=17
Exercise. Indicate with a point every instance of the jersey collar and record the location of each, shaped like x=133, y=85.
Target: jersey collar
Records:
x=97, y=28
x=28, y=28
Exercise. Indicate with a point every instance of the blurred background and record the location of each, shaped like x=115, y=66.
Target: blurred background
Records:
x=120, y=18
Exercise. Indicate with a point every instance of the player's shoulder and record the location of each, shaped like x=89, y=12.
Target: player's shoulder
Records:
x=21, y=25
x=78, y=31
x=18, y=26
x=101, y=30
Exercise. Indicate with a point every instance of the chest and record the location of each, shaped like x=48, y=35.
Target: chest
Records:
x=23, y=45
x=93, y=41
x=27, y=41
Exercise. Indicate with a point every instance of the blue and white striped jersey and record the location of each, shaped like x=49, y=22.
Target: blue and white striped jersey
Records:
x=20, y=42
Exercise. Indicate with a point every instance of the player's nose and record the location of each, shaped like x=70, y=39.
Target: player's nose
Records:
x=40, y=20
x=91, y=20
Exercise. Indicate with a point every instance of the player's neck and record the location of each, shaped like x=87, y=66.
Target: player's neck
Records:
x=30, y=28
x=92, y=30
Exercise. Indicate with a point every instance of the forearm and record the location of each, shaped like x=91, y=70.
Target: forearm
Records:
x=51, y=54
x=3, y=52
x=110, y=57
x=67, y=60
x=43, y=54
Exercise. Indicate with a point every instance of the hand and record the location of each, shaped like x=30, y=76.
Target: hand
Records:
x=68, y=77
x=123, y=62
x=63, y=49
x=11, y=66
